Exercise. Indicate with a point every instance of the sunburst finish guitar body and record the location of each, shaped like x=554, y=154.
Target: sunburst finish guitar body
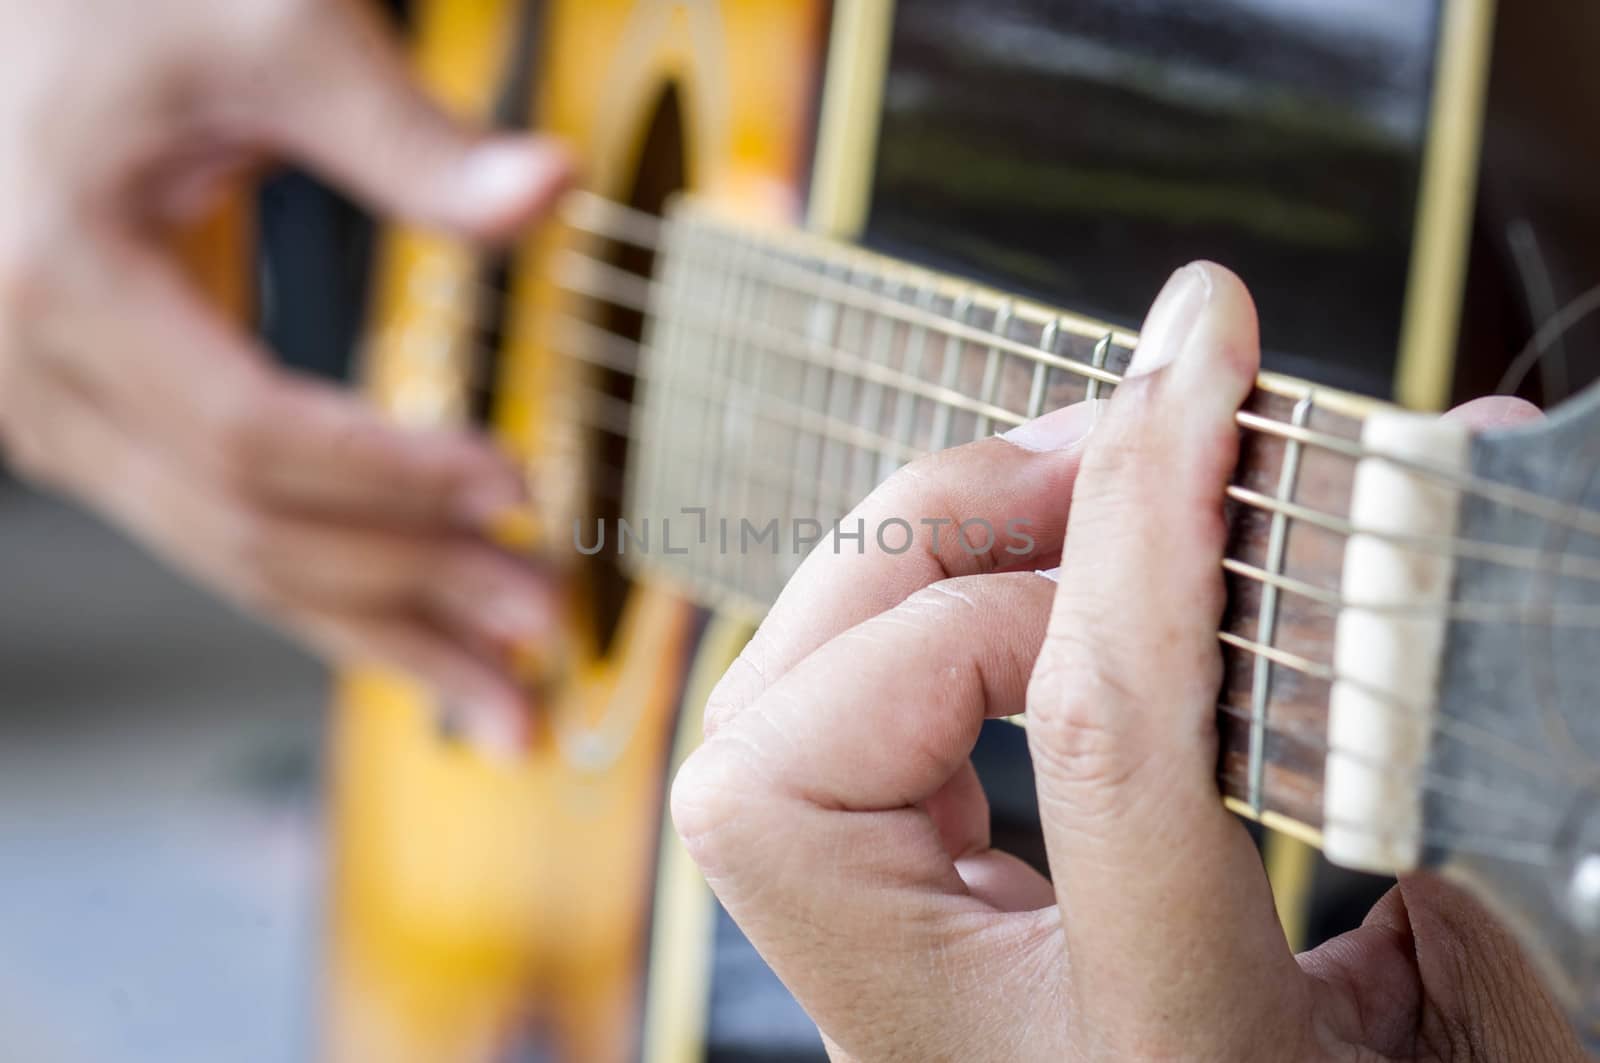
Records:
x=728, y=363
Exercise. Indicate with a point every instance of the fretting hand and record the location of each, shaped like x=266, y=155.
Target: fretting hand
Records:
x=836, y=814
x=119, y=386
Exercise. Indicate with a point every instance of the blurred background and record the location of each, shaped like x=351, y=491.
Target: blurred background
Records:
x=160, y=808
x=162, y=844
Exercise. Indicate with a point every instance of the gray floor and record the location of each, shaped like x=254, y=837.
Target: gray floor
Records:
x=159, y=810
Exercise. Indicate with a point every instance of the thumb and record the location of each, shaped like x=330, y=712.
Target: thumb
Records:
x=343, y=101
x=1122, y=704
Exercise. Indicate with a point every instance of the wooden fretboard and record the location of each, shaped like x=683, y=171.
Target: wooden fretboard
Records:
x=785, y=376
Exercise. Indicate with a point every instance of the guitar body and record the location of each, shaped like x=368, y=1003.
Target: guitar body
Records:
x=479, y=909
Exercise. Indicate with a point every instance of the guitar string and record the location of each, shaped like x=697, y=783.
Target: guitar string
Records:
x=1449, y=726
x=587, y=212
x=1506, y=555
x=1567, y=565
x=1571, y=614
x=1467, y=790
x=636, y=292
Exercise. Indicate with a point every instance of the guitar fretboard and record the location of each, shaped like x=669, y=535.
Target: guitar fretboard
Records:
x=785, y=376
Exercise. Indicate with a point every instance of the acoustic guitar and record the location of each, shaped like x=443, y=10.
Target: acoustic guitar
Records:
x=705, y=364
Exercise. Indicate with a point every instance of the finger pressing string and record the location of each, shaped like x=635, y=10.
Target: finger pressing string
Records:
x=1121, y=708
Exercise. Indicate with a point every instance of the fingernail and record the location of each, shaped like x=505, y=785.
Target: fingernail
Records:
x=501, y=175
x=1171, y=318
x=1058, y=429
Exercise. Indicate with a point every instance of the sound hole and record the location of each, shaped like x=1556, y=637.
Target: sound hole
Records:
x=658, y=173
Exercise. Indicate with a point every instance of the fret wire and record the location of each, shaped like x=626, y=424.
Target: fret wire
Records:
x=829, y=316
x=870, y=397
x=733, y=415
x=831, y=445
x=772, y=439
x=1267, y=618
x=713, y=426
x=672, y=374
x=948, y=373
x=883, y=358
x=991, y=367
x=666, y=381
x=1036, y=388
x=734, y=495
x=656, y=335
x=916, y=343
x=777, y=441
x=1097, y=360
x=688, y=369
x=841, y=395
x=687, y=373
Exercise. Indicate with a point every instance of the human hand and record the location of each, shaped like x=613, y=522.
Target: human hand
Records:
x=835, y=812
x=118, y=386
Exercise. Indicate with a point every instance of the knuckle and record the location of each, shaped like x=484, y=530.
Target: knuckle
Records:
x=709, y=796
x=1079, y=715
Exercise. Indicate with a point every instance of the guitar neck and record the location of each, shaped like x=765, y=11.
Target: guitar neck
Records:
x=785, y=376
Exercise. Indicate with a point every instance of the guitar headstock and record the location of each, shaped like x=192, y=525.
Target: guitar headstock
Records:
x=1510, y=787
